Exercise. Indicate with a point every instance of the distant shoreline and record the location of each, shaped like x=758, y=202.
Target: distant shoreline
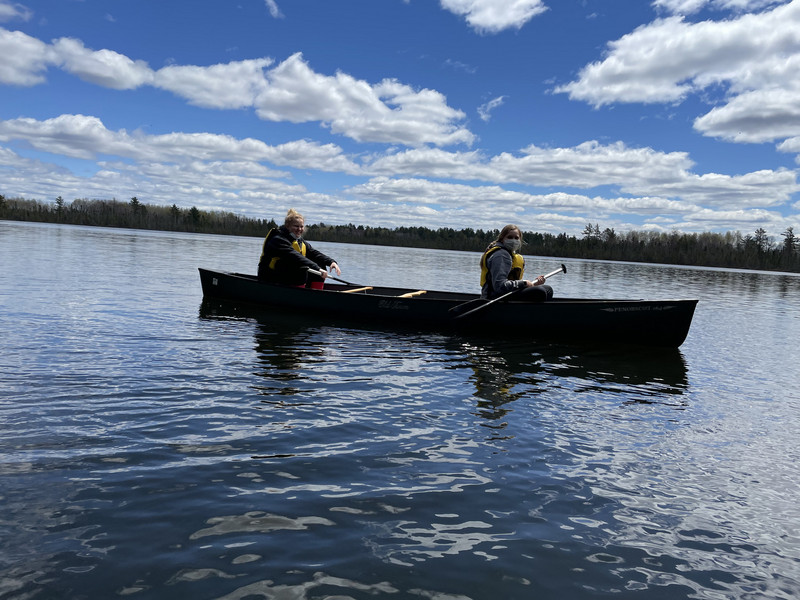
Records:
x=725, y=250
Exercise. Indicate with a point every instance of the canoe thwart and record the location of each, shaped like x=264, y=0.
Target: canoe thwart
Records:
x=361, y=289
x=412, y=294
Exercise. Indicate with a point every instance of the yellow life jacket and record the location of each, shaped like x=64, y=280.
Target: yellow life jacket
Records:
x=298, y=245
x=517, y=264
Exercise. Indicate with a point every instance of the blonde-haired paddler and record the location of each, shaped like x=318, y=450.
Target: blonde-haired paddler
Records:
x=503, y=268
x=286, y=257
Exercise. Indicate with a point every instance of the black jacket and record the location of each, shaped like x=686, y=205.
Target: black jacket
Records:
x=281, y=263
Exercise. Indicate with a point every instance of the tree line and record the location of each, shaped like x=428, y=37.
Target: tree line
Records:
x=132, y=215
x=731, y=249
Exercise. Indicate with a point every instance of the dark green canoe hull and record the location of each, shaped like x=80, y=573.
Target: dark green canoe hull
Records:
x=654, y=323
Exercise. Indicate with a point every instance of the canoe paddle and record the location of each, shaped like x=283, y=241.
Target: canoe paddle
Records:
x=310, y=270
x=484, y=304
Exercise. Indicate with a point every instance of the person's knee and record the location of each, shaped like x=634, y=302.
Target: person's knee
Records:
x=538, y=293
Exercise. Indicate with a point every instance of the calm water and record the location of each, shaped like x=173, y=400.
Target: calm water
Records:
x=150, y=448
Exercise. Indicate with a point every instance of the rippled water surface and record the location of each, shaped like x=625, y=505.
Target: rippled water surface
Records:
x=154, y=446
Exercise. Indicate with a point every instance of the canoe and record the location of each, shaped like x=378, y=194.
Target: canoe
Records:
x=653, y=323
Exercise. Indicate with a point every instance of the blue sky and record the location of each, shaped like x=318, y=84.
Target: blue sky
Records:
x=662, y=115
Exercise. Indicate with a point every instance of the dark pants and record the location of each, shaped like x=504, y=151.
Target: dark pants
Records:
x=537, y=293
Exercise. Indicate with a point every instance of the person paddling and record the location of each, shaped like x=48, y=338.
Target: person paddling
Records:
x=503, y=268
x=286, y=257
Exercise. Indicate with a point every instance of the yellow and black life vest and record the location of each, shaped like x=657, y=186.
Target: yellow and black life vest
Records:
x=298, y=245
x=517, y=263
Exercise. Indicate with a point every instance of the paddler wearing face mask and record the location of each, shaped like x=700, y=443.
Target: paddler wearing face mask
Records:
x=503, y=268
x=286, y=257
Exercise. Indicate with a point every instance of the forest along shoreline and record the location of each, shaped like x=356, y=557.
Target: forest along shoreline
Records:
x=756, y=251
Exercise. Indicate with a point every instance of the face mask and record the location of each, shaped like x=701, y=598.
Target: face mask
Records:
x=512, y=245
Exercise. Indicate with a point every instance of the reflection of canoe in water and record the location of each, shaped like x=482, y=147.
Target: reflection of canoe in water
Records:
x=660, y=323
x=501, y=370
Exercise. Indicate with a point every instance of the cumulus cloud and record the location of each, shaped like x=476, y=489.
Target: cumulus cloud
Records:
x=224, y=86
x=494, y=16
x=386, y=112
x=757, y=56
x=23, y=60
x=586, y=165
x=636, y=171
x=85, y=137
x=241, y=173
x=557, y=211
x=203, y=170
x=554, y=212
x=759, y=116
x=101, y=67
x=791, y=145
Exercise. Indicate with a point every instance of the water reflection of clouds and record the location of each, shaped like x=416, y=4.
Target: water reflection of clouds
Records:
x=256, y=522
x=666, y=517
x=408, y=542
x=321, y=585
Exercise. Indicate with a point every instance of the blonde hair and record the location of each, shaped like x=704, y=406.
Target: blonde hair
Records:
x=293, y=216
x=508, y=229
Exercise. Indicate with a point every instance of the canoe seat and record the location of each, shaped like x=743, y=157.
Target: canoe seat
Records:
x=412, y=294
x=361, y=289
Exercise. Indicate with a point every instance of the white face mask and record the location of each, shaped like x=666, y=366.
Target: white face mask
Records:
x=512, y=245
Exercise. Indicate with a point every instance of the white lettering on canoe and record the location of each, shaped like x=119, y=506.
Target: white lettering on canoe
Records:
x=392, y=304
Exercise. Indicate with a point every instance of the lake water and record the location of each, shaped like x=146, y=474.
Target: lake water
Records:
x=150, y=448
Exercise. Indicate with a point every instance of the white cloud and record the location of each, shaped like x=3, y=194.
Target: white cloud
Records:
x=272, y=6
x=493, y=16
x=224, y=86
x=635, y=171
x=641, y=181
x=12, y=11
x=680, y=7
x=554, y=212
x=386, y=112
x=485, y=110
x=733, y=220
x=759, y=188
x=23, y=60
x=791, y=145
x=84, y=137
x=688, y=7
x=101, y=67
x=758, y=116
x=246, y=187
x=587, y=165
x=757, y=56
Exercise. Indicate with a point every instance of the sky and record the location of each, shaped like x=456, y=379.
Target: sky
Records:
x=659, y=115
